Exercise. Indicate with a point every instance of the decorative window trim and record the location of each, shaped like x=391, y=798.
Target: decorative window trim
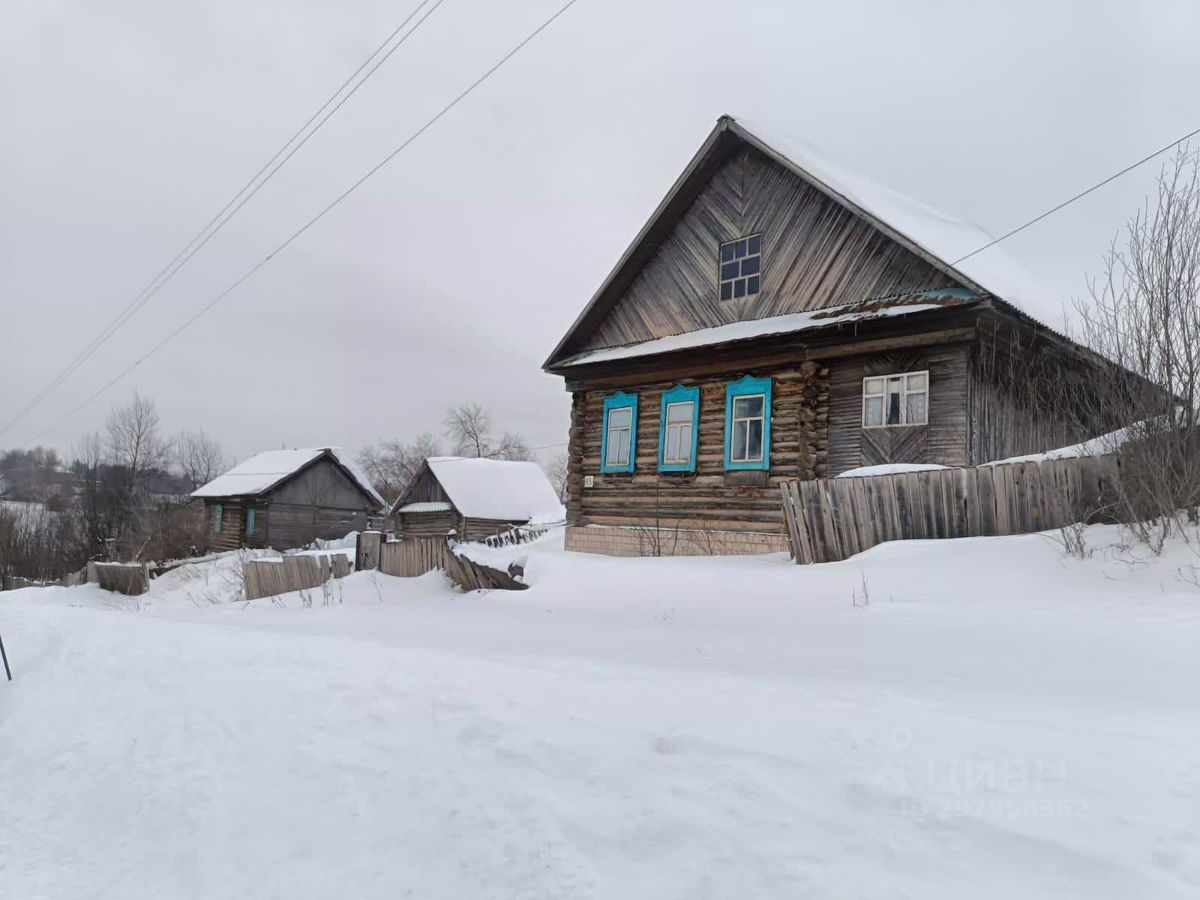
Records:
x=748, y=387
x=746, y=269
x=904, y=395
x=218, y=522
x=619, y=400
x=678, y=394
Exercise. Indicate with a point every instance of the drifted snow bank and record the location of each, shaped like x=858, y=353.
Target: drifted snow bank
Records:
x=979, y=718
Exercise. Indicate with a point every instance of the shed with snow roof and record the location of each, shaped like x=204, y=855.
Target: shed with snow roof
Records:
x=288, y=498
x=475, y=498
x=781, y=318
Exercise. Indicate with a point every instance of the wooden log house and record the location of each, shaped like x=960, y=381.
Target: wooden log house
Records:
x=472, y=499
x=286, y=499
x=777, y=318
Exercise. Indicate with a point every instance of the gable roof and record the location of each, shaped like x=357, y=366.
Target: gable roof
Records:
x=264, y=471
x=494, y=489
x=940, y=239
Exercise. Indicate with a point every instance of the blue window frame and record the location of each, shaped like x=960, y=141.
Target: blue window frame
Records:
x=748, y=424
x=677, y=429
x=250, y=521
x=618, y=440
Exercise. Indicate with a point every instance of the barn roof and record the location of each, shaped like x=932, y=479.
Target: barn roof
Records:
x=496, y=489
x=940, y=239
x=263, y=471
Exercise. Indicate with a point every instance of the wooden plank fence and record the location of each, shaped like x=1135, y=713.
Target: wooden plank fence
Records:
x=415, y=556
x=272, y=576
x=132, y=579
x=834, y=518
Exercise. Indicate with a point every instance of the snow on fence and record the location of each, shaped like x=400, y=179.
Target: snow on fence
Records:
x=520, y=534
x=281, y=575
x=415, y=556
x=834, y=518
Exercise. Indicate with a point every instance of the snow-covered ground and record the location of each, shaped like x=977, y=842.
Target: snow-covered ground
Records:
x=978, y=718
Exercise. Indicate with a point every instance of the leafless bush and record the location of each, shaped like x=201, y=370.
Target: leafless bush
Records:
x=1144, y=315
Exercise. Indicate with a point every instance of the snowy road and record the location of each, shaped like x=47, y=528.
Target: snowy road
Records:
x=997, y=722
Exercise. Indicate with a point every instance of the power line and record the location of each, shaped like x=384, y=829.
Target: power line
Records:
x=1079, y=196
x=320, y=215
x=227, y=212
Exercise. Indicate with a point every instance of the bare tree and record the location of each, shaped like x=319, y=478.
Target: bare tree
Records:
x=200, y=457
x=558, y=471
x=469, y=428
x=1144, y=315
x=134, y=441
x=391, y=465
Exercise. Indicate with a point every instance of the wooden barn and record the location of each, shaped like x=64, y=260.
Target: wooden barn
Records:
x=778, y=318
x=474, y=498
x=287, y=498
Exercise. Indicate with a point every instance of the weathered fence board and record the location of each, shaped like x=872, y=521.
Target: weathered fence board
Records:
x=282, y=575
x=415, y=556
x=132, y=579
x=834, y=518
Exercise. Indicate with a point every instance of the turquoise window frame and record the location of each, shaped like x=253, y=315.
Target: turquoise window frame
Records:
x=748, y=387
x=250, y=523
x=678, y=394
x=619, y=400
x=218, y=518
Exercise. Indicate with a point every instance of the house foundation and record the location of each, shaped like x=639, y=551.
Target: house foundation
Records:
x=615, y=540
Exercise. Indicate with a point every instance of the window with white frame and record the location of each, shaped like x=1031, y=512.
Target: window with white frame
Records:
x=748, y=417
x=619, y=437
x=677, y=439
x=901, y=399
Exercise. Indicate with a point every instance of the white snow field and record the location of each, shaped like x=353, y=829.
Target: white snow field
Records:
x=988, y=719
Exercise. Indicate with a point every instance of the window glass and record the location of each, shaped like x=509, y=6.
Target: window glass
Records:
x=915, y=411
x=218, y=514
x=873, y=411
x=746, y=443
x=620, y=422
x=901, y=399
x=677, y=442
x=250, y=521
x=744, y=407
x=740, y=267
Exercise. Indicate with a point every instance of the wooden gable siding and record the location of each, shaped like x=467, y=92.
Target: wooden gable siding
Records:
x=321, y=484
x=425, y=488
x=942, y=441
x=816, y=253
x=709, y=498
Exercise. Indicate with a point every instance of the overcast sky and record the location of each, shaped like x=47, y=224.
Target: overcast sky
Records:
x=452, y=273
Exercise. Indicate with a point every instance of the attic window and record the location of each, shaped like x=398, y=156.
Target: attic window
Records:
x=741, y=267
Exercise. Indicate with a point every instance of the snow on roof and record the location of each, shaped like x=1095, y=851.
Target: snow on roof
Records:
x=941, y=235
x=263, y=471
x=752, y=328
x=424, y=506
x=497, y=489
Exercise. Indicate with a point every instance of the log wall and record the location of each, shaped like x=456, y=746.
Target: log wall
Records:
x=709, y=498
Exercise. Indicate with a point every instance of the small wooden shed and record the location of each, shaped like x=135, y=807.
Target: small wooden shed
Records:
x=288, y=498
x=475, y=498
